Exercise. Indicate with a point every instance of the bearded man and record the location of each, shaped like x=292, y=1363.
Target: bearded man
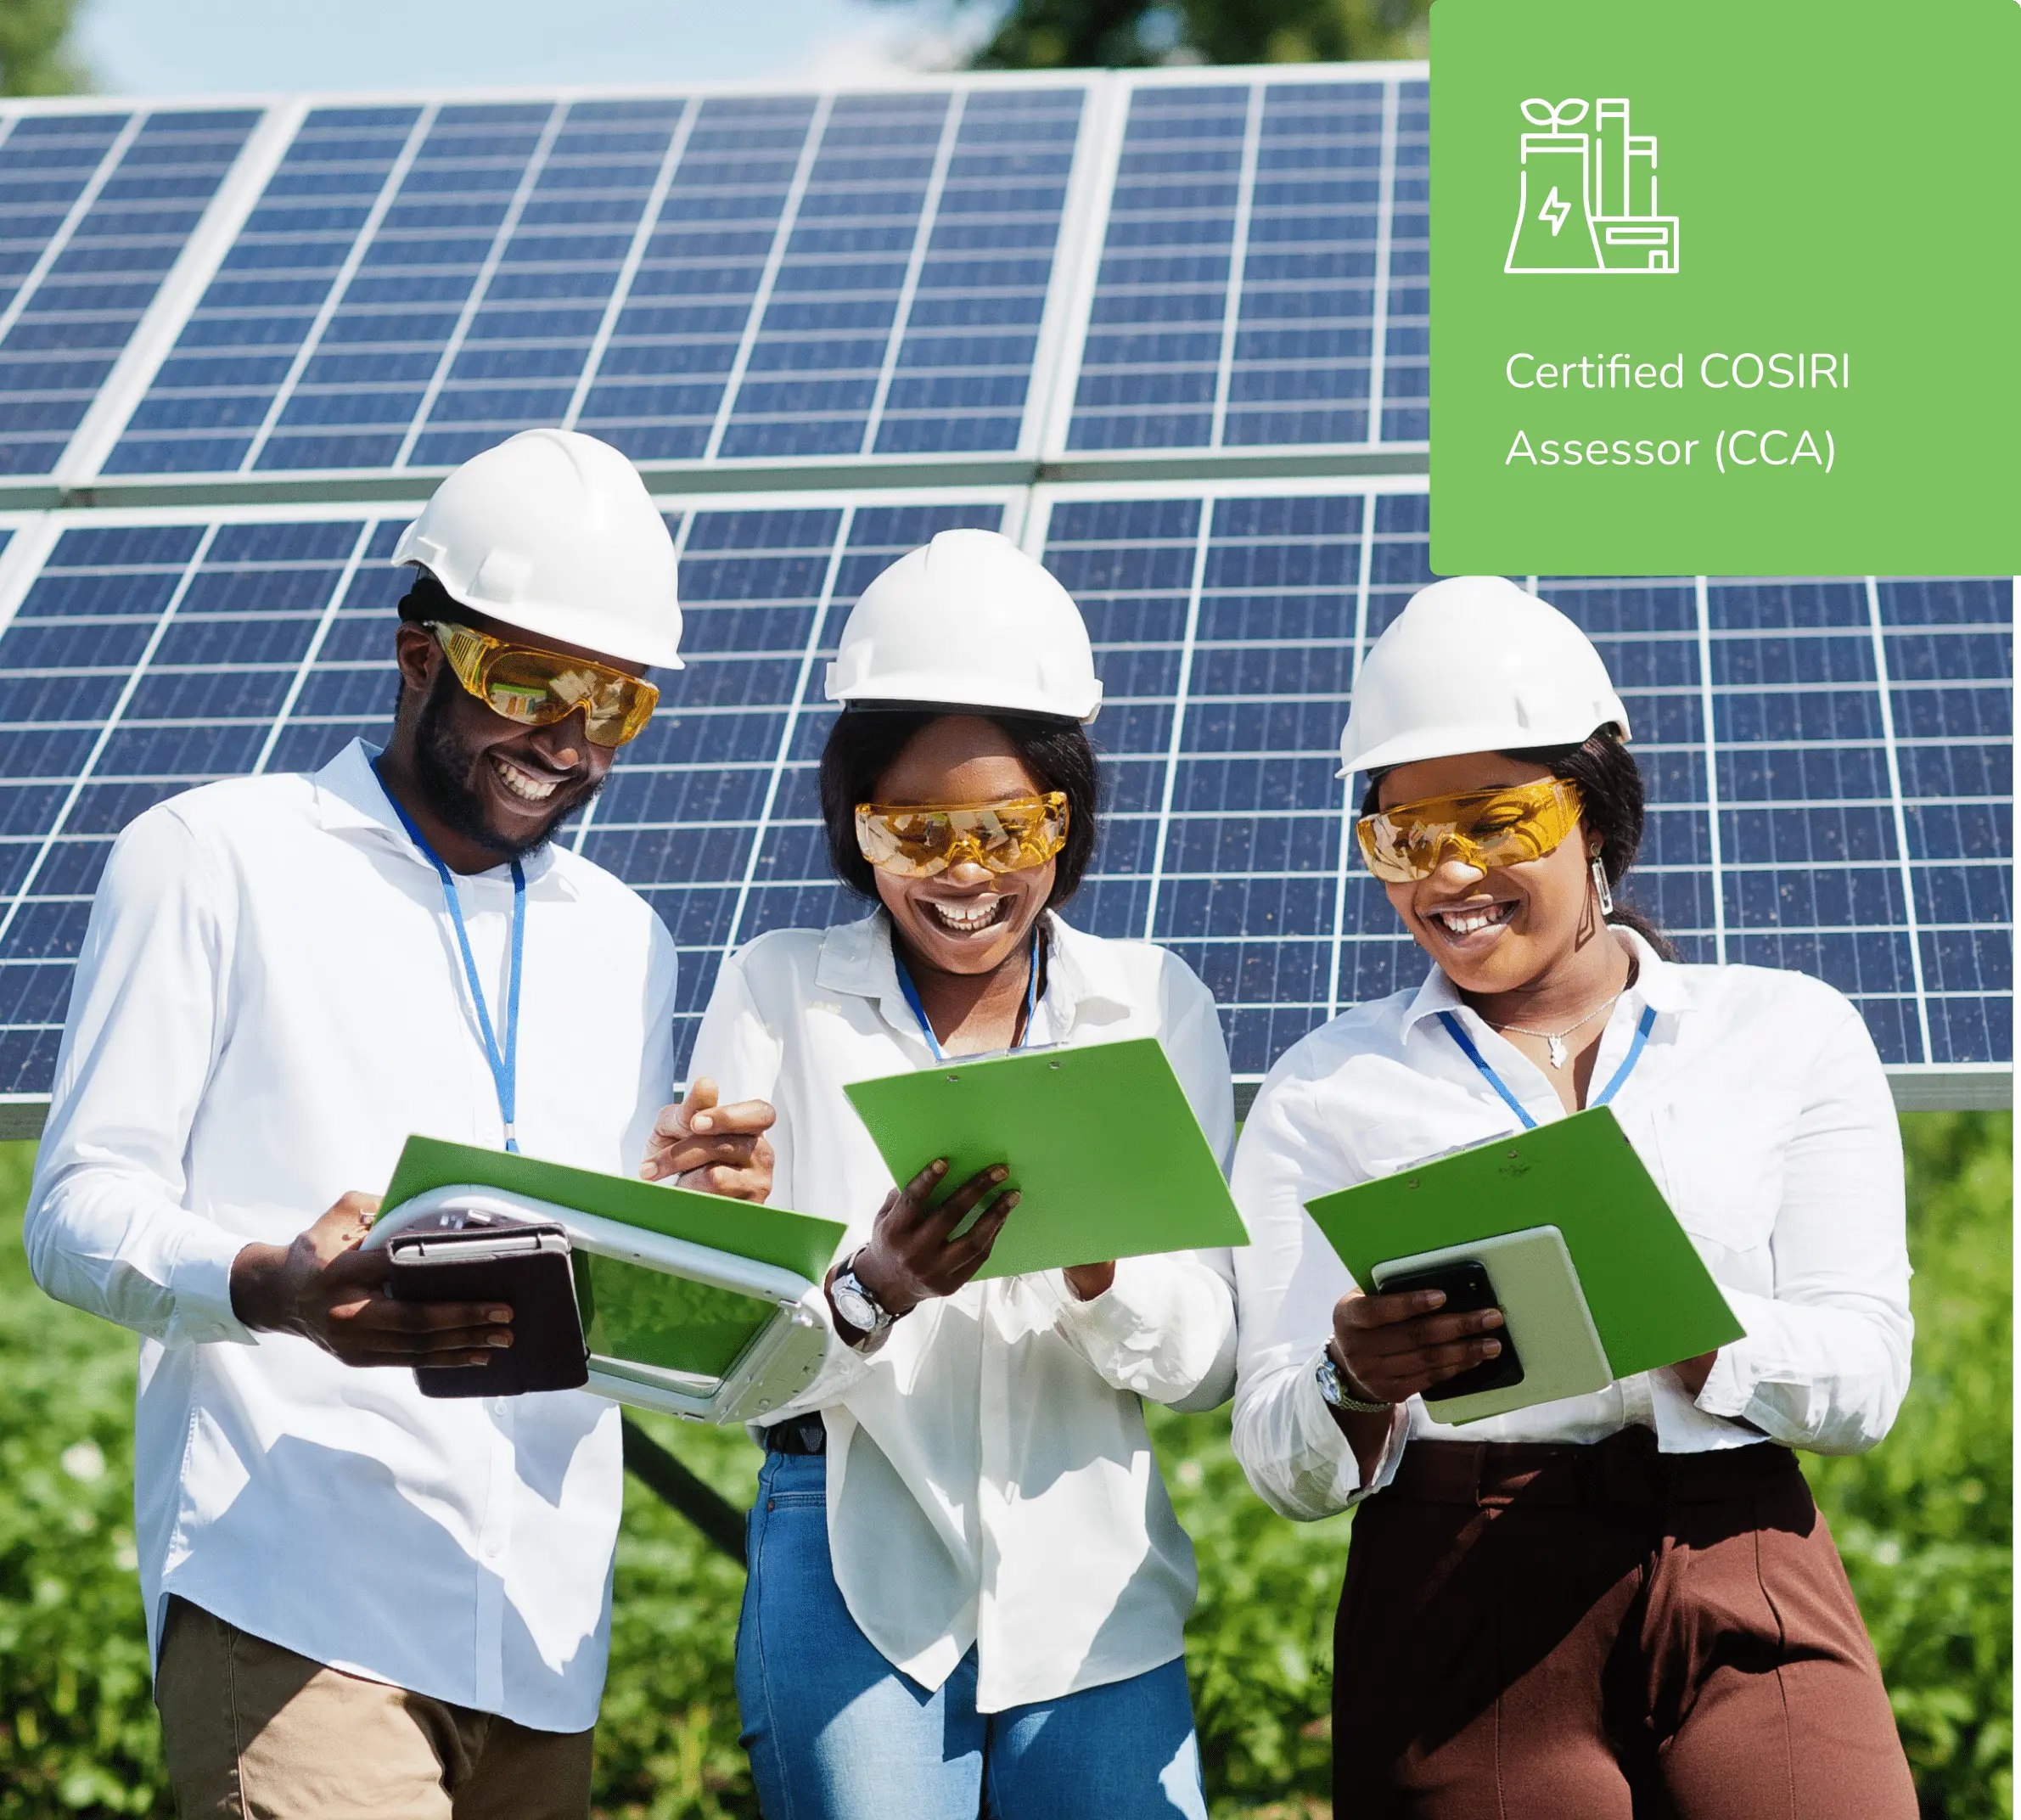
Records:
x=363, y=1601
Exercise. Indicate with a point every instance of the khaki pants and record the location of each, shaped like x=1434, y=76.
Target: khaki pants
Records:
x=255, y=1732
x=1605, y=1633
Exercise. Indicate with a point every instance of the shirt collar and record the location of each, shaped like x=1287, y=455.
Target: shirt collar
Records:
x=1081, y=973
x=350, y=800
x=1658, y=982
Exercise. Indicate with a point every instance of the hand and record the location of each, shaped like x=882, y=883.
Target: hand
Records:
x=1397, y=1345
x=1087, y=1281
x=323, y=1288
x=1692, y=1373
x=713, y=1149
x=910, y=1257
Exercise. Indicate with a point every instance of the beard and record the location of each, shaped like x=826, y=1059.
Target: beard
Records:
x=442, y=769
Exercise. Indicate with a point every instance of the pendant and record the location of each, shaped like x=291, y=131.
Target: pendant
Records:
x=1557, y=1046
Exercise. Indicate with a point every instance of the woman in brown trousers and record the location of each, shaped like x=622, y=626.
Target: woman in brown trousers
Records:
x=1622, y=1604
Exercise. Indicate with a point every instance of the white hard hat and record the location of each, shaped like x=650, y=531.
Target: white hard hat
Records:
x=968, y=620
x=552, y=533
x=1475, y=665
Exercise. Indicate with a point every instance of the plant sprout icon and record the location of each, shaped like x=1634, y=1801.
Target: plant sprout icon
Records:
x=1587, y=200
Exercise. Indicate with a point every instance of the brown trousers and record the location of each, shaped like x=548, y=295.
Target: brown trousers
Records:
x=1605, y=1633
x=255, y=1732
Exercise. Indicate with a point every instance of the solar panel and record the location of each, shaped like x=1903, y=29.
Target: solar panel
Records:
x=1087, y=281
x=1828, y=762
x=95, y=207
x=1262, y=279
x=698, y=279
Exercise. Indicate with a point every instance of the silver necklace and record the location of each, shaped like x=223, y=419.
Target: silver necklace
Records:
x=1555, y=1039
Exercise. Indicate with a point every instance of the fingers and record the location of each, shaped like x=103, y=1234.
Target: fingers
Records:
x=1438, y=1363
x=746, y=1116
x=908, y=1208
x=730, y=1184
x=970, y=1194
x=676, y=1122
x=382, y=1316
x=966, y=1255
x=1357, y=1309
x=678, y=1157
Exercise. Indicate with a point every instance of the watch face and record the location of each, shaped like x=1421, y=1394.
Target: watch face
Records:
x=1329, y=1381
x=854, y=1306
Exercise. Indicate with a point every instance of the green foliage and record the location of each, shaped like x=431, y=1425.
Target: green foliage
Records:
x=77, y=1730
x=34, y=57
x=1117, y=34
x=1923, y=1523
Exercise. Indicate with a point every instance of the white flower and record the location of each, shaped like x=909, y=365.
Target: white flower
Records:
x=81, y=1459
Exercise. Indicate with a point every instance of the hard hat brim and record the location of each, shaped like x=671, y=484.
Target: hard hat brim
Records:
x=545, y=622
x=1451, y=741
x=923, y=694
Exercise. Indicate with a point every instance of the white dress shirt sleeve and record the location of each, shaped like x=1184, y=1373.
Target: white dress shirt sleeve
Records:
x=743, y=1053
x=1825, y=1364
x=108, y=1229
x=1165, y=1329
x=1287, y=1283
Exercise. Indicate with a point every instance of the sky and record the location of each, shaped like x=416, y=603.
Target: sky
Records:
x=237, y=47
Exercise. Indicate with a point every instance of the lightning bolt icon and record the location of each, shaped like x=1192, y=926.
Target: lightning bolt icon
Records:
x=1554, y=211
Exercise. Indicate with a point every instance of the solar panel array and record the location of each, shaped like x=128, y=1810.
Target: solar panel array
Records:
x=690, y=279
x=903, y=304
x=94, y=210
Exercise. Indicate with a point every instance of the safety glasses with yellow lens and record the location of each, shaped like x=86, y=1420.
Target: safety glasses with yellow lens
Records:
x=919, y=842
x=537, y=688
x=1483, y=829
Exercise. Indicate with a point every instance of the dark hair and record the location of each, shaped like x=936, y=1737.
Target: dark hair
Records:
x=1610, y=785
x=863, y=744
x=426, y=599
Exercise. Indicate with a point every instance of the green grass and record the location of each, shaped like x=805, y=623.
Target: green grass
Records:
x=1923, y=1522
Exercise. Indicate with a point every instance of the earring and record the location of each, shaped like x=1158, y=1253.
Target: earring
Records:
x=1600, y=886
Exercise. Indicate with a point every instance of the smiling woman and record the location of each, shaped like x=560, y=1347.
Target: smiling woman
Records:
x=1625, y=1598
x=962, y=1554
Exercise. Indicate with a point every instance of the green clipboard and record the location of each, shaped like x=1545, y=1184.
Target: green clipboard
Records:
x=1099, y=1141
x=630, y=1311
x=1652, y=1299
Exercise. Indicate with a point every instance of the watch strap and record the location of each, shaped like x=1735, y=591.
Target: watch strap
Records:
x=1334, y=1387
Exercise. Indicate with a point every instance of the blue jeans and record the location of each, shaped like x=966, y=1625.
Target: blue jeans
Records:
x=835, y=1732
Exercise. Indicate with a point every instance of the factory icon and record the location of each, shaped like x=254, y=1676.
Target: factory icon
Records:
x=1587, y=200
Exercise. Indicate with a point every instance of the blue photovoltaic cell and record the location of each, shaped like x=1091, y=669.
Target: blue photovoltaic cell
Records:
x=1263, y=278
x=94, y=208
x=737, y=277
x=1829, y=763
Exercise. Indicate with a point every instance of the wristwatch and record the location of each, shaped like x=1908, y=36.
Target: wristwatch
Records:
x=1337, y=1394
x=856, y=1304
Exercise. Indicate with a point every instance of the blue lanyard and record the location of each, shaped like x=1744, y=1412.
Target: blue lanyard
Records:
x=505, y=1066
x=1457, y=1031
x=926, y=1028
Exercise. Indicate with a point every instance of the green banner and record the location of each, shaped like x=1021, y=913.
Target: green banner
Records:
x=1725, y=287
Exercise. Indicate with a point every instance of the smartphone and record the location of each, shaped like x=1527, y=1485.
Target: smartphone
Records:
x=1465, y=1282
x=482, y=1258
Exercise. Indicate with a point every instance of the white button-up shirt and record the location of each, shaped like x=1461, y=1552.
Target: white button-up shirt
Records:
x=270, y=999
x=989, y=1477
x=1761, y=1108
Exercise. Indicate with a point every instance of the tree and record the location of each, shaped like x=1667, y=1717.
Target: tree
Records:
x=35, y=53
x=1115, y=34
